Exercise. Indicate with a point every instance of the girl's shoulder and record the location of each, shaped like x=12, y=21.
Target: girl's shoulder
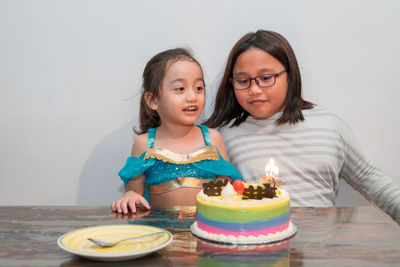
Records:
x=218, y=141
x=139, y=145
x=215, y=136
x=323, y=113
x=210, y=135
x=322, y=116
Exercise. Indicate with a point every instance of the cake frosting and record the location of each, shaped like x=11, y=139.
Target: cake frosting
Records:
x=228, y=216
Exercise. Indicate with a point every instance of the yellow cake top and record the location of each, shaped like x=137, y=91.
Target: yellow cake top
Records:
x=236, y=200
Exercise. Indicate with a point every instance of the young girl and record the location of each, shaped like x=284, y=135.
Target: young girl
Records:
x=172, y=157
x=262, y=114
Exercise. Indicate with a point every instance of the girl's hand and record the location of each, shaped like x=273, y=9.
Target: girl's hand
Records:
x=130, y=200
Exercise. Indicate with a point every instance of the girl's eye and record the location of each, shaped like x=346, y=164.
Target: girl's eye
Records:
x=180, y=89
x=242, y=80
x=199, y=89
x=266, y=77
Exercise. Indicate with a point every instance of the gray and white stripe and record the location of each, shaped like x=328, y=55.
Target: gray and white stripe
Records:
x=311, y=156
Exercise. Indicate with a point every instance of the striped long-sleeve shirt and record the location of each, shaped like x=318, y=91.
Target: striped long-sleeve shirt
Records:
x=311, y=155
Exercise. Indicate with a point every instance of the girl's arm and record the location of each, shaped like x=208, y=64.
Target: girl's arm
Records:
x=134, y=191
x=218, y=141
x=362, y=173
x=133, y=196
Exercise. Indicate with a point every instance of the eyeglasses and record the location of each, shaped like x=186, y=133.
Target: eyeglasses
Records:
x=264, y=80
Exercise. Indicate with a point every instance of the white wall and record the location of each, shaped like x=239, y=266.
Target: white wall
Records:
x=70, y=71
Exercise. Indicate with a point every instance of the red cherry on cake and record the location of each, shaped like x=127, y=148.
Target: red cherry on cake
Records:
x=238, y=185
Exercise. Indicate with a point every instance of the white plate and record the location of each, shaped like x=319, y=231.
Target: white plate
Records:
x=77, y=243
x=271, y=238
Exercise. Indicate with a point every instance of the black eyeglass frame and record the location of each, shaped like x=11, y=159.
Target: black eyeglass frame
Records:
x=257, y=82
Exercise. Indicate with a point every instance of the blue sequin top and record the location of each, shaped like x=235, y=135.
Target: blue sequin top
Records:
x=161, y=166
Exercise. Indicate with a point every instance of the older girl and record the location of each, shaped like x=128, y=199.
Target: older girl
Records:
x=261, y=114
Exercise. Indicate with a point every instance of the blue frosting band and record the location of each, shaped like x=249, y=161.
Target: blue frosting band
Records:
x=246, y=227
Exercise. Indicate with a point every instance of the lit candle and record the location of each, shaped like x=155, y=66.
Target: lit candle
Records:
x=271, y=174
x=271, y=170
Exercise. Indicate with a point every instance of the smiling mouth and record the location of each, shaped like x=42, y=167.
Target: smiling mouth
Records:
x=190, y=108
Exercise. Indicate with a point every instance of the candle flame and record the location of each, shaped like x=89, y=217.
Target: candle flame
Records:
x=271, y=174
x=271, y=170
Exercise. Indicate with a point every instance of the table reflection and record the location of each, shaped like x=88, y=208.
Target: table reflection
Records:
x=214, y=254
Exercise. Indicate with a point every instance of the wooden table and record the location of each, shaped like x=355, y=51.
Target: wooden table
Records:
x=340, y=236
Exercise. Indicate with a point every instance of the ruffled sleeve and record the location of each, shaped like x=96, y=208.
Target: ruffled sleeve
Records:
x=219, y=167
x=133, y=167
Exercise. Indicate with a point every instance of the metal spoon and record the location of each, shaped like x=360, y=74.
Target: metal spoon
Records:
x=102, y=243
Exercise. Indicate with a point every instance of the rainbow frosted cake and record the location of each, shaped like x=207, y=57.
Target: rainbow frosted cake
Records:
x=243, y=213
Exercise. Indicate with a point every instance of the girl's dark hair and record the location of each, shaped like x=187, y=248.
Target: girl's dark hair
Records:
x=227, y=108
x=153, y=76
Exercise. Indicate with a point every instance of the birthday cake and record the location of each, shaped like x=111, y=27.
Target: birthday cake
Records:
x=243, y=213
